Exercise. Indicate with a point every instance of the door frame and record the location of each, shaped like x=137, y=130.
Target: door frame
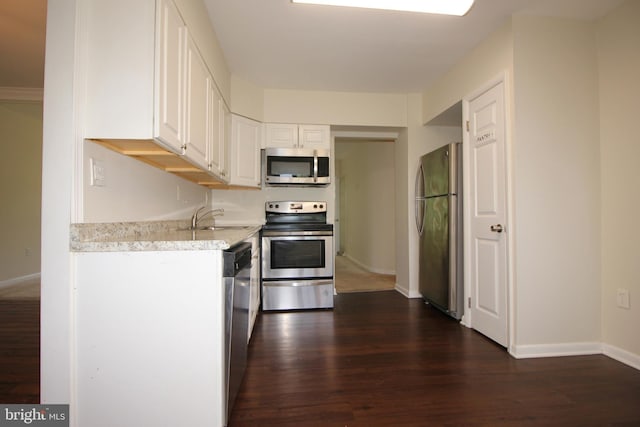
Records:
x=467, y=320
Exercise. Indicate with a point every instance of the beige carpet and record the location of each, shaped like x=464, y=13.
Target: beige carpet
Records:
x=26, y=290
x=350, y=277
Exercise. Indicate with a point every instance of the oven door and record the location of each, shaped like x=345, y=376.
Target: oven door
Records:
x=297, y=256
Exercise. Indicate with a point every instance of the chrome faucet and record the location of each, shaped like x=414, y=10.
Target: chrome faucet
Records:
x=195, y=219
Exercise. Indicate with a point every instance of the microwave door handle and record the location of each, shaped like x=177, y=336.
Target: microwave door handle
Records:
x=315, y=165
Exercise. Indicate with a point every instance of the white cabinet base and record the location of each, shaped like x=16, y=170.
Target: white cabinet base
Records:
x=149, y=339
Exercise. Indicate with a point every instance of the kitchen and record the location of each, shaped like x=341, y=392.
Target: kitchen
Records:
x=397, y=110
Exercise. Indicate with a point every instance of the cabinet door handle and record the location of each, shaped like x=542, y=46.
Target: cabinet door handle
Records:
x=497, y=228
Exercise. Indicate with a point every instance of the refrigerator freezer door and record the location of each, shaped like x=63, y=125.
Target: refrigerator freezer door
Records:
x=436, y=172
x=434, y=253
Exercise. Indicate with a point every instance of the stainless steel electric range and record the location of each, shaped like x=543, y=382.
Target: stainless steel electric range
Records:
x=297, y=256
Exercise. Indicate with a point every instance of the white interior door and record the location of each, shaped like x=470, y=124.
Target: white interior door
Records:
x=487, y=269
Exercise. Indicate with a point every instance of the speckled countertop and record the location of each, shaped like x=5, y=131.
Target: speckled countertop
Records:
x=154, y=236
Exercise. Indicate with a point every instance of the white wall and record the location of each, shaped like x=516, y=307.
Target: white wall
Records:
x=557, y=191
x=59, y=137
x=135, y=191
x=413, y=143
x=247, y=206
x=552, y=106
x=20, y=184
x=619, y=67
x=492, y=56
x=335, y=108
x=247, y=99
x=367, y=213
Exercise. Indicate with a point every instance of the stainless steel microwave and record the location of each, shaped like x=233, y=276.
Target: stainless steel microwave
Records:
x=295, y=167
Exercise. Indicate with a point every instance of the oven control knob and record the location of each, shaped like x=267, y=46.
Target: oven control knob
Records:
x=315, y=206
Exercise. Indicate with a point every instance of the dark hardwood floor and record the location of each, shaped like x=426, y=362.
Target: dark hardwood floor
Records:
x=379, y=359
x=19, y=351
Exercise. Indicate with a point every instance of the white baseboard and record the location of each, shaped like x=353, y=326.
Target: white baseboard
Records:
x=555, y=350
x=19, y=280
x=407, y=293
x=621, y=355
x=576, y=349
x=369, y=268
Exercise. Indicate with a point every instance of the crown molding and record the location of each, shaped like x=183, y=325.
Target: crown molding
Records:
x=30, y=94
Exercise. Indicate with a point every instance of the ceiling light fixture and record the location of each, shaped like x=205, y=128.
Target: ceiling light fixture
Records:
x=444, y=7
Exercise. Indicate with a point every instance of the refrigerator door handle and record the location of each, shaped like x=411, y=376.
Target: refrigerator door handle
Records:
x=420, y=213
x=420, y=202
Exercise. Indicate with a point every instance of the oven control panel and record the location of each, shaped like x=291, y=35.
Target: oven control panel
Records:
x=288, y=207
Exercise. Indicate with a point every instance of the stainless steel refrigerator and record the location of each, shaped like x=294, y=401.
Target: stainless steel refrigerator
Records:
x=438, y=213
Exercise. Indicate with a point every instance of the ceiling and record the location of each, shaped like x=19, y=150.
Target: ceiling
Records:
x=276, y=44
x=280, y=45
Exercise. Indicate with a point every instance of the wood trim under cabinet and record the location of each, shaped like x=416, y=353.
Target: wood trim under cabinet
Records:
x=149, y=152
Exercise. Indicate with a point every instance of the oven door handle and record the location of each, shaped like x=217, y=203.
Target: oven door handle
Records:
x=297, y=283
x=296, y=233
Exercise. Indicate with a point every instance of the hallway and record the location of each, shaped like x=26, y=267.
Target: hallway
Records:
x=350, y=277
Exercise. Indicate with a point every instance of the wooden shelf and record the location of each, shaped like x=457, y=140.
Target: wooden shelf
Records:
x=149, y=152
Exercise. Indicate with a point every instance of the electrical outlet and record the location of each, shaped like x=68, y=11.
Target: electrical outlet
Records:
x=622, y=298
x=27, y=251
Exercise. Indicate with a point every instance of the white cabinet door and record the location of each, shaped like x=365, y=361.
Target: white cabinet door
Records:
x=314, y=136
x=215, y=126
x=198, y=81
x=169, y=120
x=297, y=136
x=281, y=135
x=225, y=139
x=246, y=140
x=254, y=283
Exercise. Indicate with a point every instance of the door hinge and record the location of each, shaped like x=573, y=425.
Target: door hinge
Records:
x=467, y=125
x=469, y=302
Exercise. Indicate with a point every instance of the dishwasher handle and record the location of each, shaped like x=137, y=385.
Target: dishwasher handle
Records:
x=236, y=258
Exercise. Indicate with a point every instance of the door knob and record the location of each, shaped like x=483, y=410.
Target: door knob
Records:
x=497, y=228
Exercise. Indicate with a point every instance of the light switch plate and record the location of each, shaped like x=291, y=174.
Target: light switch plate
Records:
x=98, y=173
x=622, y=298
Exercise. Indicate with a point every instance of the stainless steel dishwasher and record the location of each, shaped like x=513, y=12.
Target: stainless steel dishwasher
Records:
x=236, y=274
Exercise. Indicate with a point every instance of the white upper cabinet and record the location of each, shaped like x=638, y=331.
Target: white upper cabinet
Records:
x=198, y=82
x=220, y=134
x=225, y=139
x=170, y=100
x=246, y=140
x=215, y=134
x=146, y=79
x=281, y=135
x=314, y=136
x=297, y=136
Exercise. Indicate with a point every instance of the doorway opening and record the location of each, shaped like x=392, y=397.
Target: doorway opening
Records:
x=365, y=213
